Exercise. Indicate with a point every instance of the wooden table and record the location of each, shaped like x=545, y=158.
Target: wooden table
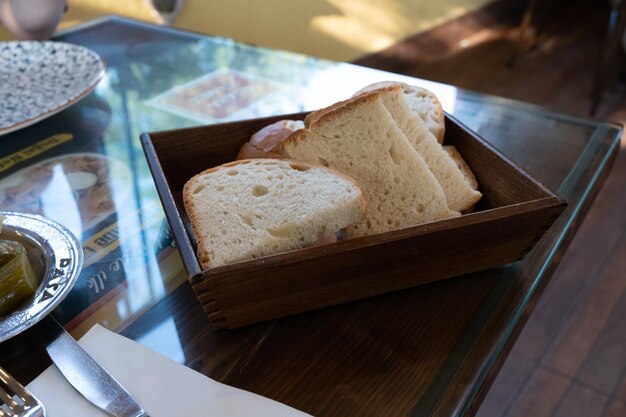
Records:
x=431, y=350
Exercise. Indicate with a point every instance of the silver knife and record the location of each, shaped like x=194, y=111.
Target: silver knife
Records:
x=85, y=374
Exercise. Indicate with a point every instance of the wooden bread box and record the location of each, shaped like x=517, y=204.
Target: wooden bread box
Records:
x=512, y=216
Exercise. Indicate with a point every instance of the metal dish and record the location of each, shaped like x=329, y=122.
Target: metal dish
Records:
x=56, y=256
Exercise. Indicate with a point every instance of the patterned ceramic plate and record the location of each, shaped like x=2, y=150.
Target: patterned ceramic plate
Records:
x=39, y=79
x=56, y=256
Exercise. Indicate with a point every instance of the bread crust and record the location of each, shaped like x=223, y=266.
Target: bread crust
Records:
x=267, y=138
x=249, y=151
x=342, y=106
x=313, y=117
x=262, y=144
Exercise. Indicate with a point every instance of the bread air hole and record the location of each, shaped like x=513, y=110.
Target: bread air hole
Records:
x=198, y=189
x=420, y=208
x=299, y=167
x=322, y=161
x=395, y=156
x=280, y=233
x=246, y=219
x=259, y=190
x=232, y=172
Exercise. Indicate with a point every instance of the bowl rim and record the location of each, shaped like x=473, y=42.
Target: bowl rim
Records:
x=62, y=259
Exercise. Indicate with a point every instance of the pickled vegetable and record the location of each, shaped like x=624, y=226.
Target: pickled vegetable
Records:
x=9, y=250
x=17, y=279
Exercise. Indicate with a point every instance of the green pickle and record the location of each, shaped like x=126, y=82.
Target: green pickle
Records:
x=8, y=251
x=17, y=279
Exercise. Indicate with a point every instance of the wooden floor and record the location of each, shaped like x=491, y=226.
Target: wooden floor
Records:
x=570, y=359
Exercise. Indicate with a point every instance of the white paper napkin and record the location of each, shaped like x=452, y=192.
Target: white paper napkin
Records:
x=161, y=386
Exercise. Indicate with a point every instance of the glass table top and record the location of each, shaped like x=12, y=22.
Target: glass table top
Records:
x=159, y=79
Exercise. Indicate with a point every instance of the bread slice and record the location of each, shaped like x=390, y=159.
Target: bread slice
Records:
x=459, y=195
x=421, y=101
x=465, y=169
x=361, y=138
x=258, y=207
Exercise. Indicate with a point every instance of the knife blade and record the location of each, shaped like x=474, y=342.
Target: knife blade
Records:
x=85, y=374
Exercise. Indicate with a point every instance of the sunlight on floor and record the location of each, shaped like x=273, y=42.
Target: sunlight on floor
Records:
x=370, y=25
x=365, y=25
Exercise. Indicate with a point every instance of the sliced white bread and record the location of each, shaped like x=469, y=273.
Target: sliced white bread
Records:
x=459, y=195
x=267, y=139
x=465, y=169
x=421, y=101
x=258, y=207
x=361, y=138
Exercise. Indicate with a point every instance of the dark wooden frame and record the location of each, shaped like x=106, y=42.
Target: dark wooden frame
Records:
x=513, y=214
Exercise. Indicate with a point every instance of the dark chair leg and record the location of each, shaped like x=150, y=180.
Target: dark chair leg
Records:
x=532, y=24
x=525, y=31
x=605, y=71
